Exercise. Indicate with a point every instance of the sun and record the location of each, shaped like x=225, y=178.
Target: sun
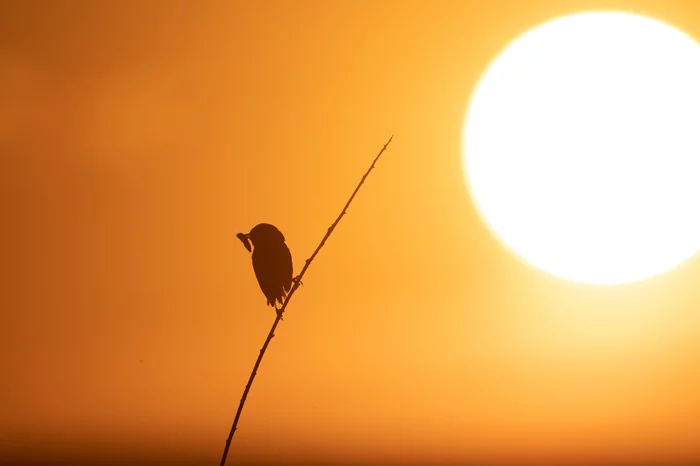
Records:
x=581, y=147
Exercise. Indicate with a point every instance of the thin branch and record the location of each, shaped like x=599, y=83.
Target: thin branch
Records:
x=280, y=312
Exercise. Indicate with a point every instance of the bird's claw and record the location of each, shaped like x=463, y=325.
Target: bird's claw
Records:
x=279, y=313
x=297, y=279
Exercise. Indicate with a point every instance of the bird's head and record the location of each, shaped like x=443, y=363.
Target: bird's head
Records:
x=261, y=234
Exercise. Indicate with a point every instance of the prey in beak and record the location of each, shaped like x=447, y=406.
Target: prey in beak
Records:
x=244, y=240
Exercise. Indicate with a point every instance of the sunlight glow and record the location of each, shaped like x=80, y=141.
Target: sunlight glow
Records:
x=582, y=147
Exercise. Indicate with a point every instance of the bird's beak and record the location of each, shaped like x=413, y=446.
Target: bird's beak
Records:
x=245, y=240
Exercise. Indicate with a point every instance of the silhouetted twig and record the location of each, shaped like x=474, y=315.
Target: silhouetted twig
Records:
x=297, y=281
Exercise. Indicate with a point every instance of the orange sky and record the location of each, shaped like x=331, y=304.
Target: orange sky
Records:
x=136, y=140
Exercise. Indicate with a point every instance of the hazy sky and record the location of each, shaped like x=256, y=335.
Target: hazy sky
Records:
x=137, y=138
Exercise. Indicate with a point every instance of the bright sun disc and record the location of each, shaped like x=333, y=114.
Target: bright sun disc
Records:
x=582, y=147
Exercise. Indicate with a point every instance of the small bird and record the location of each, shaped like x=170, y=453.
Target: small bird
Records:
x=272, y=262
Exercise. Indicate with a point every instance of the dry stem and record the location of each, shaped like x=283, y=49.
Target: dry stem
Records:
x=280, y=312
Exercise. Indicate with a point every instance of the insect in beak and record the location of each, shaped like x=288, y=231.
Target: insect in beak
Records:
x=244, y=240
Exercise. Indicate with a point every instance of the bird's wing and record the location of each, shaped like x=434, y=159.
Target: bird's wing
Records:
x=273, y=268
x=286, y=268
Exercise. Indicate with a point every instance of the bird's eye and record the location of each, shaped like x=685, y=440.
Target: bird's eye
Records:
x=244, y=240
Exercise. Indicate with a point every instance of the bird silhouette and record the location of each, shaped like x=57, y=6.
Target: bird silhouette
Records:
x=272, y=262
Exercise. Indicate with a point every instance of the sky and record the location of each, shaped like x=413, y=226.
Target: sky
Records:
x=137, y=139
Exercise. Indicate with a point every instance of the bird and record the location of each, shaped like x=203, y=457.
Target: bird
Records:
x=272, y=262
